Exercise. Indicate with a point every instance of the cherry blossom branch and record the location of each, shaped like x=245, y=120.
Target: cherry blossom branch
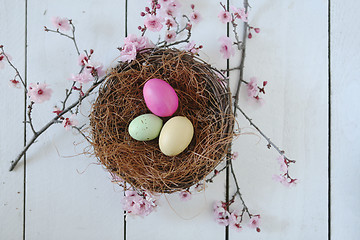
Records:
x=234, y=25
x=242, y=61
x=69, y=92
x=237, y=192
x=186, y=27
x=53, y=121
x=66, y=35
x=12, y=65
x=217, y=172
x=270, y=143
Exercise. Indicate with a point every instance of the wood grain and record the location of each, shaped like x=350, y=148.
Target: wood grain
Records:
x=345, y=112
x=68, y=196
x=12, y=129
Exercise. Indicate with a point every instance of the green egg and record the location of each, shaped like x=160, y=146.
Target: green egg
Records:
x=145, y=127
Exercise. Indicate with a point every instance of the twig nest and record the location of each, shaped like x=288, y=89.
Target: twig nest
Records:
x=204, y=100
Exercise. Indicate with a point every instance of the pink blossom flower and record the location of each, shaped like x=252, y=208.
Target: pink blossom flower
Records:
x=224, y=16
x=170, y=8
x=3, y=59
x=284, y=180
x=195, y=17
x=221, y=214
x=14, y=83
x=69, y=122
x=139, y=42
x=164, y=2
x=170, y=22
x=153, y=23
x=254, y=221
x=83, y=77
x=283, y=166
x=226, y=47
x=191, y=47
x=170, y=36
x=128, y=52
x=235, y=155
x=62, y=24
x=95, y=68
x=57, y=110
x=174, y=4
x=240, y=13
x=39, y=93
x=135, y=204
x=185, y=195
x=235, y=220
x=252, y=88
x=257, y=30
x=83, y=59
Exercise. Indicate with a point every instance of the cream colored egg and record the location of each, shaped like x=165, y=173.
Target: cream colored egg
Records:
x=175, y=136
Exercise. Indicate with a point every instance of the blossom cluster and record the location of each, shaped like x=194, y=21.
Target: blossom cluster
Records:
x=140, y=205
x=233, y=219
x=284, y=178
x=132, y=46
x=254, y=90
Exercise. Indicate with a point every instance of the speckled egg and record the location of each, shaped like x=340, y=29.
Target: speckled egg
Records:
x=145, y=127
x=160, y=97
x=176, y=135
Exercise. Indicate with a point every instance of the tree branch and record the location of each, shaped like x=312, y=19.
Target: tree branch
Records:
x=54, y=120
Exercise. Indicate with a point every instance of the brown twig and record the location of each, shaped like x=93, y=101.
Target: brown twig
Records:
x=237, y=192
x=164, y=44
x=270, y=143
x=66, y=35
x=242, y=61
x=12, y=65
x=30, y=107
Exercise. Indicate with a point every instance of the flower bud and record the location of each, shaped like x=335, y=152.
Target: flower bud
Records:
x=257, y=30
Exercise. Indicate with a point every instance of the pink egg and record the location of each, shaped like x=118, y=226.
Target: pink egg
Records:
x=160, y=97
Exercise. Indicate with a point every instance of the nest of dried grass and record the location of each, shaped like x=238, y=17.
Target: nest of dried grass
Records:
x=203, y=99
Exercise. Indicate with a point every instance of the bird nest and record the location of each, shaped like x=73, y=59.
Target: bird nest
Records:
x=204, y=99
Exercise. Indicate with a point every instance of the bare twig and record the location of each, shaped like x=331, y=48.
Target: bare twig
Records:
x=30, y=107
x=242, y=61
x=12, y=65
x=216, y=173
x=270, y=143
x=66, y=35
x=237, y=192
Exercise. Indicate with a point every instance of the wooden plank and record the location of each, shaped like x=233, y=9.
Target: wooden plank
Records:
x=345, y=130
x=12, y=127
x=69, y=197
x=176, y=219
x=290, y=53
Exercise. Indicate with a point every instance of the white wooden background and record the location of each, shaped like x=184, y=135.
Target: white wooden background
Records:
x=59, y=194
